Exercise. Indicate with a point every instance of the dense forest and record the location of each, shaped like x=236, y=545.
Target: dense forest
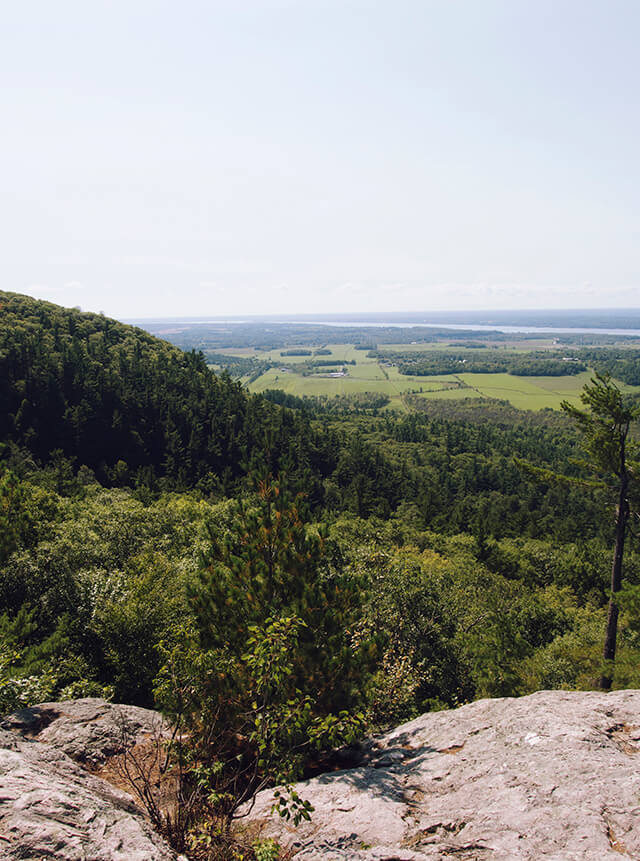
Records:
x=282, y=574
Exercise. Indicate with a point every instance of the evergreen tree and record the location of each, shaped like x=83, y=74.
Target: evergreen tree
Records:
x=272, y=671
x=272, y=564
x=605, y=426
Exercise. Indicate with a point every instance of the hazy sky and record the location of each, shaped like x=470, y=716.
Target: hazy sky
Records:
x=197, y=158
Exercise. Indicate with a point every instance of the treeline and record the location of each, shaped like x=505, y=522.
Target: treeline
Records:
x=315, y=365
x=322, y=363
x=239, y=366
x=490, y=411
x=623, y=364
x=355, y=403
x=437, y=362
x=266, y=335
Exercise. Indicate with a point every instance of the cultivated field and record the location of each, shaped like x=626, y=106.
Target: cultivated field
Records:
x=374, y=375
x=529, y=393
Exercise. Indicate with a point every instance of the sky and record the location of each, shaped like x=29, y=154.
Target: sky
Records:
x=312, y=156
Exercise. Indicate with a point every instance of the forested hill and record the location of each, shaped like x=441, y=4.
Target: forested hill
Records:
x=80, y=392
x=131, y=407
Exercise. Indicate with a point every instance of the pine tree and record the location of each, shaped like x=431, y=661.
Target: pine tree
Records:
x=272, y=672
x=605, y=426
x=272, y=564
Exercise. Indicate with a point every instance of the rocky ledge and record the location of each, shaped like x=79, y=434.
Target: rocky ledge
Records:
x=51, y=806
x=553, y=775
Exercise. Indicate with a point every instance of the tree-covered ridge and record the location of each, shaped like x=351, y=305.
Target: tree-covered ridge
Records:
x=127, y=405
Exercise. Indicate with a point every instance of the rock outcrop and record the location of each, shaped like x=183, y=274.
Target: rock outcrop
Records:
x=50, y=806
x=91, y=731
x=554, y=775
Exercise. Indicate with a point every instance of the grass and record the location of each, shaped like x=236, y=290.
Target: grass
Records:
x=355, y=381
x=533, y=393
x=369, y=375
x=366, y=376
x=526, y=393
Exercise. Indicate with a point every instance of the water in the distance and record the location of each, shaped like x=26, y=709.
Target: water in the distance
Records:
x=475, y=327
x=608, y=321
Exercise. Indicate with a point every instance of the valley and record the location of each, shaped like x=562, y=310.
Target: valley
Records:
x=339, y=367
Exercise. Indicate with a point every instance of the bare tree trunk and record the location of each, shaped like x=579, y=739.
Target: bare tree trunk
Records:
x=622, y=516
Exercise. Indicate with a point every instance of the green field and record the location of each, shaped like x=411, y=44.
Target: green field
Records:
x=368, y=375
x=529, y=393
x=361, y=378
x=372, y=375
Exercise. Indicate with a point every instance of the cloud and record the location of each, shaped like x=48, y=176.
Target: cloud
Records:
x=74, y=285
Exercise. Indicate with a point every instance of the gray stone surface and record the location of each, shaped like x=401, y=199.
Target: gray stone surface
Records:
x=555, y=775
x=51, y=808
x=89, y=730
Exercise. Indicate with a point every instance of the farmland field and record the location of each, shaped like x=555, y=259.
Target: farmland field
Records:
x=374, y=375
x=365, y=377
x=529, y=393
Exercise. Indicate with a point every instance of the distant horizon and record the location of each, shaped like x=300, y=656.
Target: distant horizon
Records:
x=472, y=316
x=620, y=321
x=374, y=314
